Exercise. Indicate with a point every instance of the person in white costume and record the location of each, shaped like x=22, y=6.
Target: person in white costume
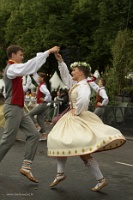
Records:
x=15, y=116
x=80, y=132
x=101, y=97
x=43, y=97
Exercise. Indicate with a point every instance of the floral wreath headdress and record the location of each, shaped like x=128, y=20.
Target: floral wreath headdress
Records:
x=79, y=64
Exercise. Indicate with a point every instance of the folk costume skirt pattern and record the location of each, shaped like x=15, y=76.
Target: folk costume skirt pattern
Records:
x=81, y=135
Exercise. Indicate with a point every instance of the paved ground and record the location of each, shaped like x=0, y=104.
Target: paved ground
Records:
x=116, y=165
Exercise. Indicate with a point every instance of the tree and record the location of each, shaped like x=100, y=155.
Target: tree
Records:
x=86, y=26
x=122, y=52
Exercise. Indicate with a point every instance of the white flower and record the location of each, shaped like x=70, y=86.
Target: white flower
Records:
x=78, y=64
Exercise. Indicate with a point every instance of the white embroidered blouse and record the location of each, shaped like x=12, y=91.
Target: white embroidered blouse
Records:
x=83, y=89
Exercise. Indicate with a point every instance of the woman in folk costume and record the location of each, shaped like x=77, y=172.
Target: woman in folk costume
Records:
x=80, y=132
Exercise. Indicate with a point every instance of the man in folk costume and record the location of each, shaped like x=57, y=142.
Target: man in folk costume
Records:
x=15, y=117
x=43, y=96
x=101, y=97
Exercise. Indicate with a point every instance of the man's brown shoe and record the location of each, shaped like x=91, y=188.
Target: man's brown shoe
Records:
x=28, y=175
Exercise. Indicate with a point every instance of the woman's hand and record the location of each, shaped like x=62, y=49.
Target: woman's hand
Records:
x=58, y=57
x=73, y=111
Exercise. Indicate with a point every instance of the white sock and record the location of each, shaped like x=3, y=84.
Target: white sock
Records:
x=61, y=164
x=94, y=167
x=27, y=165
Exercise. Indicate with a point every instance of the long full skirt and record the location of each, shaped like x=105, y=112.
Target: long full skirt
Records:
x=81, y=135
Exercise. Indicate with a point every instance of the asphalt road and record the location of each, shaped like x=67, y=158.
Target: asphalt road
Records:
x=116, y=165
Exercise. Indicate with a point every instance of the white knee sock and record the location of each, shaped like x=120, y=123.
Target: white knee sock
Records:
x=94, y=167
x=61, y=164
x=27, y=165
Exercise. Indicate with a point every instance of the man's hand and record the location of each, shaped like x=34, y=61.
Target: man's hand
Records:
x=99, y=104
x=58, y=57
x=41, y=99
x=55, y=49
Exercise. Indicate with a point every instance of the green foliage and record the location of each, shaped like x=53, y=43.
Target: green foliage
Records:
x=88, y=25
x=111, y=84
x=116, y=76
x=122, y=52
